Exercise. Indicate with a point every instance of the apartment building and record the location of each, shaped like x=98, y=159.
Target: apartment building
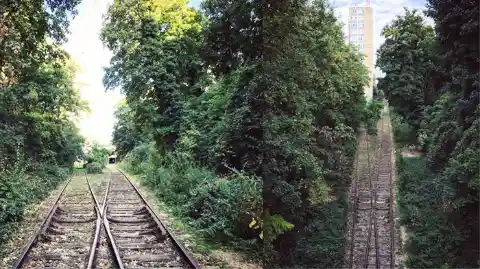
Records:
x=360, y=33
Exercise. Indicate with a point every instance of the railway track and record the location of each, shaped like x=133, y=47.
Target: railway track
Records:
x=119, y=230
x=140, y=240
x=67, y=234
x=372, y=230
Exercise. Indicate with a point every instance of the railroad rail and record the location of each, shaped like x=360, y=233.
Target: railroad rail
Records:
x=372, y=226
x=138, y=237
x=120, y=231
x=67, y=233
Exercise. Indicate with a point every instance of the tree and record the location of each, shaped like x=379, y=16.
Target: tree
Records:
x=156, y=48
x=454, y=152
x=23, y=27
x=284, y=105
x=38, y=140
x=125, y=136
x=407, y=57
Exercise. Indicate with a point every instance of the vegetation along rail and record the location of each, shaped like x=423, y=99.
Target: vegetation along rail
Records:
x=68, y=233
x=372, y=234
x=137, y=236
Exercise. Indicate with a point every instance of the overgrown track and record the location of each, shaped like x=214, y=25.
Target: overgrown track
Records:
x=138, y=237
x=66, y=236
x=372, y=234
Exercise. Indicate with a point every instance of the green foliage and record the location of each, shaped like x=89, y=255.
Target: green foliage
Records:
x=248, y=102
x=403, y=132
x=221, y=208
x=21, y=184
x=324, y=237
x=407, y=57
x=420, y=203
x=373, y=114
x=25, y=26
x=147, y=62
x=125, y=135
x=97, y=154
x=438, y=195
x=94, y=168
x=38, y=140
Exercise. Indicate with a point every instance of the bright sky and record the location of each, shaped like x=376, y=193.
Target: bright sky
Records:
x=88, y=52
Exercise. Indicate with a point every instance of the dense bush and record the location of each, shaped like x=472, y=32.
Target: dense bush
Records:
x=94, y=168
x=373, y=114
x=407, y=58
x=22, y=184
x=438, y=193
x=420, y=207
x=98, y=155
x=404, y=133
x=219, y=207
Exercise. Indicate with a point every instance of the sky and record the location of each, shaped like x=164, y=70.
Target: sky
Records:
x=86, y=49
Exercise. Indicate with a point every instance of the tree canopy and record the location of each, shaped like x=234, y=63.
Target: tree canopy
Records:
x=266, y=90
x=38, y=102
x=432, y=82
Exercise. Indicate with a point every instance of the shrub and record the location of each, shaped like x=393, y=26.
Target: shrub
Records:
x=222, y=208
x=419, y=200
x=373, y=114
x=22, y=184
x=94, y=168
x=98, y=155
x=403, y=132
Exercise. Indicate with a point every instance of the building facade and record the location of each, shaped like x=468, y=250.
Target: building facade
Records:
x=360, y=33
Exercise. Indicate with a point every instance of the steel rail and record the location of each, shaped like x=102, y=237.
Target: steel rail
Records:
x=34, y=237
x=44, y=225
x=181, y=249
x=106, y=226
x=355, y=202
x=371, y=213
x=97, y=227
x=384, y=142
x=374, y=194
x=392, y=202
x=102, y=222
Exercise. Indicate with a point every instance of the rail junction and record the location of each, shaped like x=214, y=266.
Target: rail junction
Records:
x=119, y=231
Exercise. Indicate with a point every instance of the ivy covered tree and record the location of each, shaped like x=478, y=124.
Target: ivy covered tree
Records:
x=279, y=122
x=408, y=57
x=278, y=98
